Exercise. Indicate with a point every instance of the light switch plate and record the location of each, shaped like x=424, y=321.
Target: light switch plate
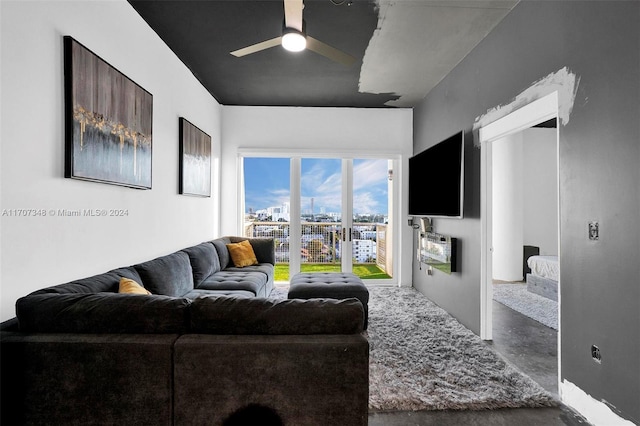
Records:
x=594, y=230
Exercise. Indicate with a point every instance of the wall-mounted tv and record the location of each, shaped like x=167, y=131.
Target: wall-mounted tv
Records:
x=436, y=179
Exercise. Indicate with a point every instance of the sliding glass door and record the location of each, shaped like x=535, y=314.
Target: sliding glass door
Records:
x=321, y=185
x=371, y=190
x=267, y=206
x=325, y=214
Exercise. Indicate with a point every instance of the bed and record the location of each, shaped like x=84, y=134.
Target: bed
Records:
x=544, y=276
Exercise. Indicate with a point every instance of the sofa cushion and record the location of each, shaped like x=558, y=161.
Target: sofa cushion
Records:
x=102, y=313
x=265, y=268
x=204, y=261
x=264, y=248
x=254, y=282
x=241, y=315
x=242, y=254
x=223, y=253
x=106, y=282
x=129, y=286
x=169, y=275
x=195, y=293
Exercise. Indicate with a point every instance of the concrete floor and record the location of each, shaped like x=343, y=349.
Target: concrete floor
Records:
x=530, y=346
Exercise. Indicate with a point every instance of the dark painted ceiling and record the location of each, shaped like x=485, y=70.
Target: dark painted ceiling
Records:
x=202, y=33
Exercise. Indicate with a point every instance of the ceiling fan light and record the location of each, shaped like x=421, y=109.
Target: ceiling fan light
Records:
x=294, y=41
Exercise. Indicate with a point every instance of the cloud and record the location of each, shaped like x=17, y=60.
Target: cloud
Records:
x=370, y=172
x=261, y=198
x=365, y=202
x=322, y=181
x=370, y=186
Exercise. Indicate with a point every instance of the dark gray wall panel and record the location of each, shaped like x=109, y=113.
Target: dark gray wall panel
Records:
x=599, y=178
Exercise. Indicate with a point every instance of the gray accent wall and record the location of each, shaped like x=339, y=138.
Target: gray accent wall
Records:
x=599, y=163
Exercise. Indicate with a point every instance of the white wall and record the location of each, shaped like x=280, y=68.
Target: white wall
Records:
x=336, y=131
x=43, y=251
x=525, y=198
x=507, y=207
x=540, y=189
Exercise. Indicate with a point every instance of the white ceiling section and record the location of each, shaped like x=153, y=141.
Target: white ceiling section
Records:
x=432, y=36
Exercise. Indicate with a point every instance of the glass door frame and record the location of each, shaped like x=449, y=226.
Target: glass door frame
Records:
x=295, y=226
x=347, y=215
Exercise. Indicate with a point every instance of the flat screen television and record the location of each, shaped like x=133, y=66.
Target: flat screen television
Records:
x=436, y=179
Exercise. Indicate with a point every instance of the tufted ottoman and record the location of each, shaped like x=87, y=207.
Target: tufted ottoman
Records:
x=331, y=285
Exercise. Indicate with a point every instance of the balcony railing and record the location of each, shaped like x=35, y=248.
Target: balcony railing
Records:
x=322, y=242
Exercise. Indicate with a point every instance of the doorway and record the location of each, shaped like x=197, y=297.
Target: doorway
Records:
x=502, y=252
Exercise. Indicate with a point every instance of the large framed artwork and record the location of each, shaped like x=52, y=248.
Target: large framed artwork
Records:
x=195, y=160
x=108, y=121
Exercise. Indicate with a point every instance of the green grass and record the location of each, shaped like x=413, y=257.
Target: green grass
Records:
x=364, y=271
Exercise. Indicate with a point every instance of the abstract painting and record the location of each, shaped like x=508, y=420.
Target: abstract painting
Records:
x=108, y=120
x=195, y=160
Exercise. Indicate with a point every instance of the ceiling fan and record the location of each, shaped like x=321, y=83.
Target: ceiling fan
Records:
x=295, y=39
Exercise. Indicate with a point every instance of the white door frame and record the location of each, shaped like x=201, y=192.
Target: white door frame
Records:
x=347, y=215
x=534, y=113
x=295, y=226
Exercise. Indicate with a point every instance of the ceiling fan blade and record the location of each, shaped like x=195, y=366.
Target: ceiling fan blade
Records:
x=293, y=14
x=267, y=44
x=329, y=52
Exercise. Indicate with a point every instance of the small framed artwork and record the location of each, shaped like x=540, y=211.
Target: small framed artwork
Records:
x=108, y=120
x=195, y=160
x=439, y=251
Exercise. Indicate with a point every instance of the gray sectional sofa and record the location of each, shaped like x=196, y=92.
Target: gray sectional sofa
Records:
x=206, y=347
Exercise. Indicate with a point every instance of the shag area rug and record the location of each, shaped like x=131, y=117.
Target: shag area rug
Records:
x=421, y=358
x=517, y=297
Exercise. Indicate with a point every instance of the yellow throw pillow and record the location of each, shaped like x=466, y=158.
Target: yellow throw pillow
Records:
x=242, y=254
x=130, y=286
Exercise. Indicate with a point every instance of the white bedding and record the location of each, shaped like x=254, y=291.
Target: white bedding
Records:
x=544, y=266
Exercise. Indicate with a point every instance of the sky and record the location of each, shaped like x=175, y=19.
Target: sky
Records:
x=267, y=184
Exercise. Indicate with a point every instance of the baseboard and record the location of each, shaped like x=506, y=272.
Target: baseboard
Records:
x=596, y=412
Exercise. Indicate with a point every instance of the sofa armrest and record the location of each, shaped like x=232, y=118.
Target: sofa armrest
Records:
x=264, y=248
x=10, y=325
